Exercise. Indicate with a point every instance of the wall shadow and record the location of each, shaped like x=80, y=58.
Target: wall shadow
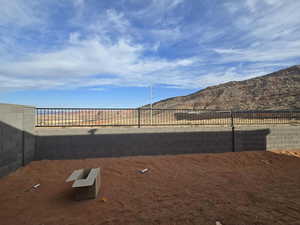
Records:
x=137, y=144
x=17, y=148
x=251, y=140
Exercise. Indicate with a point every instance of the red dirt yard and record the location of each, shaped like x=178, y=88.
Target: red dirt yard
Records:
x=248, y=188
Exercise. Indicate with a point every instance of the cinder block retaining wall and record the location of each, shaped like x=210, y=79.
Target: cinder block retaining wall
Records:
x=17, y=142
x=71, y=143
x=82, y=142
x=279, y=137
x=20, y=143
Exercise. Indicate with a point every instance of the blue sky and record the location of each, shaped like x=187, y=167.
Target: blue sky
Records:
x=91, y=53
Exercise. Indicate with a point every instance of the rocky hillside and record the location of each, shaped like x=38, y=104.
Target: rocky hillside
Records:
x=278, y=90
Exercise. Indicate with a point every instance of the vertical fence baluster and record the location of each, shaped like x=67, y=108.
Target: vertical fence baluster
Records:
x=139, y=117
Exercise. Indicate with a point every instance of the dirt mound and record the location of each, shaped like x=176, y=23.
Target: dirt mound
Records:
x=234, y=188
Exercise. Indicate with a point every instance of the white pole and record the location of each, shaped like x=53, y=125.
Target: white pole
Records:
x=151, y=104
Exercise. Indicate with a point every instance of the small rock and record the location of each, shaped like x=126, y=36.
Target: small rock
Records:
x=266, y=162
x=144, y=170
x=36, y=186
x=103, y=199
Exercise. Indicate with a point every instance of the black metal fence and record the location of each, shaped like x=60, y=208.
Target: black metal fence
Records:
x=87, y=117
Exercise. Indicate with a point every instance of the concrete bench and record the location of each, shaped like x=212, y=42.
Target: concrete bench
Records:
x=86, y=183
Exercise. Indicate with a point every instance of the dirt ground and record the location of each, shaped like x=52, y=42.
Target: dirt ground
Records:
x=248, y=188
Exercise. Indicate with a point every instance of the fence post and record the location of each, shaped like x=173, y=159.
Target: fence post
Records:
x=232, y=132
x=139, y=118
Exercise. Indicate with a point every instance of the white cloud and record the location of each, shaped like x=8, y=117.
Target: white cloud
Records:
x=92, y=59
x=102, y=54
x=19, y=12
x=173, y=4
x=256, y=5
x=79, y=3
x=227, y=51
x=166, y=34
x=109, y=48
x=117, y=19
x=252, y=4
x=96, y=89
x=231, y=7
x=80, y=58
x=275, y=52
x=159, y=12
x=269, y=34
x=110, y=24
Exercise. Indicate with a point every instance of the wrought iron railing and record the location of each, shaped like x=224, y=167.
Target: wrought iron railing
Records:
x=86, y=117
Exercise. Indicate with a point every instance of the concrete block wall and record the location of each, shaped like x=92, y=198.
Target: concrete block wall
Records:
x=21, y=142
x=28, y=132
x=17, y=141
x=68, y=143
x=284, y=138
x=279, y=137
x=75, y=143
x=254, y=139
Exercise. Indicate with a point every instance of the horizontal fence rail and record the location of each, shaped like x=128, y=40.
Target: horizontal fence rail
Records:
x=86, y=117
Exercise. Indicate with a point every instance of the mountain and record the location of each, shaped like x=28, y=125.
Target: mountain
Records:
x=275, y=91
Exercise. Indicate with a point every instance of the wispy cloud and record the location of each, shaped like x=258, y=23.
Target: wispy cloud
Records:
x=18, y=12
x=92, y=59
x=269, y=32
x=175, y=43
